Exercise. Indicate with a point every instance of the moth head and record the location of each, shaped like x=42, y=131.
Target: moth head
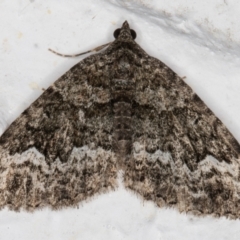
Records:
x=124, y=33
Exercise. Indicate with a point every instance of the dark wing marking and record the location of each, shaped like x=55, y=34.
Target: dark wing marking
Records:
x=58, y=152
x=183, y=155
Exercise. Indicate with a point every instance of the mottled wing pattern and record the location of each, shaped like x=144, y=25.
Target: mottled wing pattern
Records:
x=183, y=155
x=120, y=109
x=58, y=152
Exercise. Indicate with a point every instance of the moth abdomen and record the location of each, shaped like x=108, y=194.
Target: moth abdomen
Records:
x=123, y=92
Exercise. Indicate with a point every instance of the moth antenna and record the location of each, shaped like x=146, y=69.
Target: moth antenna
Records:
x=97, y=49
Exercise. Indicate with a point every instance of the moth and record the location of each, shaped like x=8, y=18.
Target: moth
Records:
x=120, y=109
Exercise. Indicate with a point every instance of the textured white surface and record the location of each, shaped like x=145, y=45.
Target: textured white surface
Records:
x=197, y=39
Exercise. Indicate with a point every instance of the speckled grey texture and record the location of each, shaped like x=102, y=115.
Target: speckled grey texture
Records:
x=120, y=109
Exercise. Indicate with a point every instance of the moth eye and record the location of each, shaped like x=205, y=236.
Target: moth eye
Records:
x=133, y=33
x=116, y=33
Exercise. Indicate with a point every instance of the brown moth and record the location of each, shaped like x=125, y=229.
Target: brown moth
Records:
x=120, y=109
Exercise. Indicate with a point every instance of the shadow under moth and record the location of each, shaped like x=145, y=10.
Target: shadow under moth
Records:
x=120, y=109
